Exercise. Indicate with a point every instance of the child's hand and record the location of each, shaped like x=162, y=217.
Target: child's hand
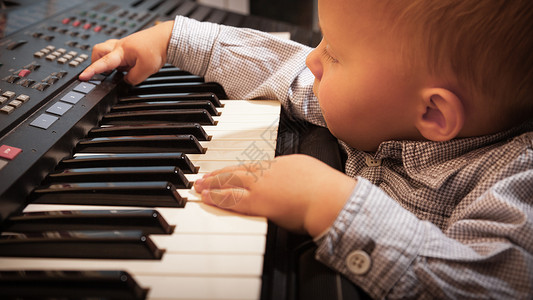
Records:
x=297, y=192
x=141, y=54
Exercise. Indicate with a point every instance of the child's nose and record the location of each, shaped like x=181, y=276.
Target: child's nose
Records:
x=314, y=64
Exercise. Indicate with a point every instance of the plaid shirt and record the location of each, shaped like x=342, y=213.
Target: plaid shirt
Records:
x=435, y=219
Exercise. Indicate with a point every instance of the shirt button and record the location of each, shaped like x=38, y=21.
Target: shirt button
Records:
x=358, y=262
x=371, y=162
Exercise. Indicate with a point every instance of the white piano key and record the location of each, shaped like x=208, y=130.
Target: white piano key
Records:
x=231, y=155
x=259, y=118
x=243, y=134
x=210, y=166
x=250, y=107
x=200, y=218
x=200, y=288
x=239, y=144
x=230, y=126
x=239, y=264
x=210, y=243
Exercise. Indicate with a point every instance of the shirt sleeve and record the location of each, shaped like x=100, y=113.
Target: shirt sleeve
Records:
x=392, y=254
x=249, y=64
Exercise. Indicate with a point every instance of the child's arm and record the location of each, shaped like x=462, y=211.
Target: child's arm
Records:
x=297, y=192
x=141, y=54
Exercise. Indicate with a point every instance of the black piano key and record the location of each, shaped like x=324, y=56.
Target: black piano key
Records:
x=59, y=284
x=148, y=221
x=201, y=13
x=179, y=160
x=234, y=19
x=200, y=116
x=141, y=144
x=163, y=7
x=282, y=27
x=151, y=129
x=121, y=174
x=172, y=97
x=217, y=16
x=169, y=70
x=251, y=21
x=167, y=65
x=186, y=8
x=106, y=244
x=183, y=87
x=173, y=79
x=166, y=105
x=142, y=194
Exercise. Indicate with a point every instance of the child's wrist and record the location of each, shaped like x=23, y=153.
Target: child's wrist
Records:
x=324, y=209
x=166, y=31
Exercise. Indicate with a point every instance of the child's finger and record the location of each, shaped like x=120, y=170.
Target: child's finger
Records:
x=108, y=62
x=222, y=181
x=102, y=49
x=140, y=72
x=249, y=168
x=227, y=198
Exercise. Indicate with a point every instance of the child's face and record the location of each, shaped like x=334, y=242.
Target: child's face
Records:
x=365, y=93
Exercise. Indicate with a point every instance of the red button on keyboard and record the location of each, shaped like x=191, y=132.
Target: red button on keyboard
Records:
x=24, y=72
x=9, y=152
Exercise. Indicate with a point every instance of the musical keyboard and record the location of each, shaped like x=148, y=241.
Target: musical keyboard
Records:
x=211, y=253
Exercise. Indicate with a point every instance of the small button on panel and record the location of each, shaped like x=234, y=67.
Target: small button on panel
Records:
x=44, y=121
x=72, y=97
x=23, y=98
x=8, y=109
x=9, y=94
x=15, y=103
x=84, y=87
x=59, y=108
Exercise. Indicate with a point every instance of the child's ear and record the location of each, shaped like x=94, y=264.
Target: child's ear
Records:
x=441, y=115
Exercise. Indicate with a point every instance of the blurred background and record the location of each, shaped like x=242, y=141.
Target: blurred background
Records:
x=297, y=12
x=302, y=13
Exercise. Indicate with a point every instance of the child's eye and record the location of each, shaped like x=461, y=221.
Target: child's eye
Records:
x=328, y=56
